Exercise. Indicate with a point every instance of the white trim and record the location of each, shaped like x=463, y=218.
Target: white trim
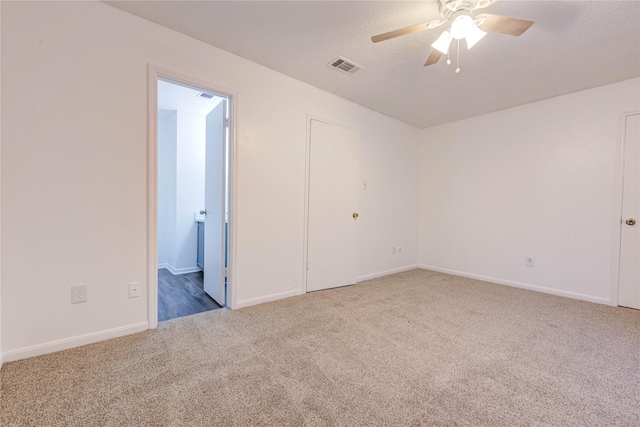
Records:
x=232, y=208
x=152, y=196
x=184, y=270
x=568, y=294
x=154, y=74
x=296, y=292
x=269, y=298
x=163, y=265
x=387, y=272
x=305, y=230
x=617, y=207
x=67, y=343
x=1, y=359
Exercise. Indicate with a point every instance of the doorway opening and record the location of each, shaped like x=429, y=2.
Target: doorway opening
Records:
x=193, y=142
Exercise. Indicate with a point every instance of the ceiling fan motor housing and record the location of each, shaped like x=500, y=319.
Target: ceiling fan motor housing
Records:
x=452, y=9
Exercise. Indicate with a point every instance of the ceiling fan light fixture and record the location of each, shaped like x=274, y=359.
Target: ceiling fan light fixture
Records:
x=443, y=42
x=457, y=15
x=474, y=36
x=461, y=26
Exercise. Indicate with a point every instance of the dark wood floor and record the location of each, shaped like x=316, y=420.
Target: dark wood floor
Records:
x=182, y=295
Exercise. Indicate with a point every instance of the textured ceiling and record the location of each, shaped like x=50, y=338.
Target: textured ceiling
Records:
x=573, y=45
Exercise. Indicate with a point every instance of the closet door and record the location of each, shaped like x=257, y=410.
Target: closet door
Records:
x=332, y=258
x=629, y=282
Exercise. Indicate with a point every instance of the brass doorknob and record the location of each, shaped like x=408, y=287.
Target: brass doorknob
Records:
x=355, y=215
x=630, y=221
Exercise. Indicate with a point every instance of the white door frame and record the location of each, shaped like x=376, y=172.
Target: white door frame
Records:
x=154, y=74
x=307, y=181
x=617, y=211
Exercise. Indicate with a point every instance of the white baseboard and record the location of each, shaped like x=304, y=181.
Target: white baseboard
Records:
x=184, y=270
x=268, y=298
x=67, y=343
x=387, y=272
x=163, y=265
x=558, y=292
x=296, y=292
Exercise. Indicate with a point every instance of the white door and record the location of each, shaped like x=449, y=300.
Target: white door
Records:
x=214, y=204
x=629, y=282
x=333, y=200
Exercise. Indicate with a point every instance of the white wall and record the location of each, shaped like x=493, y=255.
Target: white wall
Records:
x=189, y=187
x=536, y=180
x=74, y=171
x=167, y=162
x=181, y=146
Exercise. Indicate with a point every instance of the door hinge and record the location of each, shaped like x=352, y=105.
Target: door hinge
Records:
x=226, y=272
x=226, y=121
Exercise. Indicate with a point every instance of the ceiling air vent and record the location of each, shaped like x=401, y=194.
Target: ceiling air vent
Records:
x=205, y=95
x=345, y=65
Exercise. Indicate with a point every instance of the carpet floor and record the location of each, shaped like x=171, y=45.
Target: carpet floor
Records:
x=417, y=348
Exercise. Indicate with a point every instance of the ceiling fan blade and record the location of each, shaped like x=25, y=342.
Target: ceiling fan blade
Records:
x=408, y=30
x=502, y=24
x=434, y=56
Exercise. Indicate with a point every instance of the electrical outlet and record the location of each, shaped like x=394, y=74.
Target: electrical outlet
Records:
x=78, y=294
x=529, y=261
x=134, y=289
x=394, y=249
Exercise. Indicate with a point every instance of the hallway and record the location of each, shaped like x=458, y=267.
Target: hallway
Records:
x=182, y=295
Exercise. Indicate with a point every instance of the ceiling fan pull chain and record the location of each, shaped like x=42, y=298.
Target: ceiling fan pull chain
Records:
x=448, y=56
x=458, y=59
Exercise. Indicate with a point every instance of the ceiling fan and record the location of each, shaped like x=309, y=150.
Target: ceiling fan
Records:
x=457, y=13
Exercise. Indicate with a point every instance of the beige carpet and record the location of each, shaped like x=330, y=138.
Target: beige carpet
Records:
x=415, y=348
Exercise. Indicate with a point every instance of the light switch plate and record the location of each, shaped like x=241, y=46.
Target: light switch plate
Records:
x=134, y=289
